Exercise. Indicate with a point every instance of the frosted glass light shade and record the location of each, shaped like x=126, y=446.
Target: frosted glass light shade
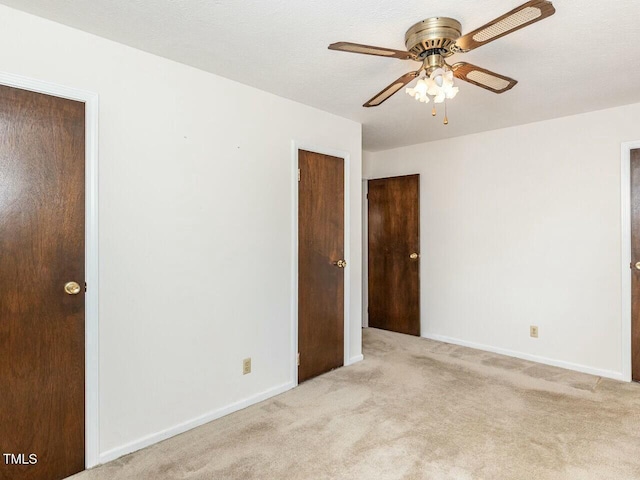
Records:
x=438, y=85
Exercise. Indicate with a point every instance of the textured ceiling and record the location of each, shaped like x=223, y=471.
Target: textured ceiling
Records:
x=585, y=57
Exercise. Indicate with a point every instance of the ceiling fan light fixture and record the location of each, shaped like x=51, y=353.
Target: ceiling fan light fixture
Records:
x=438, y=85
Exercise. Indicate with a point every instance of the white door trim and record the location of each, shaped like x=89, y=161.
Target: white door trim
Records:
x=625, y=211
x=365, y=253
x=90, y=99
x=295, y=146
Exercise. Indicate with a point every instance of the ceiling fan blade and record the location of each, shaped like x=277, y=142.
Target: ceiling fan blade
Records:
x=483, y=78
x=531, y=12
x=369, y=50
x=386, y=92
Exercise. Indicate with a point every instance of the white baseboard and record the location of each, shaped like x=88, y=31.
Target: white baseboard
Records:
x=148, y=440
x=526, y=356
x=355, y=359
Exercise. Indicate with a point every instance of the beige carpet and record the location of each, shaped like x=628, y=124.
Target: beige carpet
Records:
x=414, y=409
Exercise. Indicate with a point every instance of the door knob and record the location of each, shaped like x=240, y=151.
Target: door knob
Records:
x=72, y=288
x=637, y=265
x=413, y=256
x=340, y=263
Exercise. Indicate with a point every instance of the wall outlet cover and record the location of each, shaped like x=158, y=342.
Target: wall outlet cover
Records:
x=246, y=366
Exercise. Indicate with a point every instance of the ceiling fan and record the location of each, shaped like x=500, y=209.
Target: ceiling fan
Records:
x=432, y=40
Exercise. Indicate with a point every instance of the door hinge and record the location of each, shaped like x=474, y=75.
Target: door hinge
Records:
x=367, y=196
x=85, y=287
x=298, y=358
x=298, y=174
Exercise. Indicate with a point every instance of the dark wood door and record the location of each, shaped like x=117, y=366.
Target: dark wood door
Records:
x=41, y=250
x=635, y=271
x=394, y=249
x=320, y=273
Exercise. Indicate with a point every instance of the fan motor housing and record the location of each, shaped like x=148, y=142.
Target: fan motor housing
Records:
x=436, y=35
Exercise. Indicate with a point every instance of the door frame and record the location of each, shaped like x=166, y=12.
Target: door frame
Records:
x=90, y=99
x=625, y=257
x=365, y=253
x=365, y=246
x=625, y=271
x=295, y=146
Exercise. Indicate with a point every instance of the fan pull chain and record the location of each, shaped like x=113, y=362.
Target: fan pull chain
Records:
x=433, y=111
x=446, y=120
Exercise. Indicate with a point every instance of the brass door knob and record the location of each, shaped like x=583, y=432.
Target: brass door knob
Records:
x=340, y=263
x=72, y=288
x=637, y=265
x=413, y=256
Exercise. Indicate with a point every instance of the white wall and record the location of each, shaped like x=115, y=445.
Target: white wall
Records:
x=520, y=227
x=195, y=223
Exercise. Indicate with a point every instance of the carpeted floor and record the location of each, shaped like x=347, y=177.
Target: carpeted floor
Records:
x=414, y=409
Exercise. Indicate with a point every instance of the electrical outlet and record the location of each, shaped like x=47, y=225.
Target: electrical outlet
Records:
x=533, y=331
x=246, y=366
